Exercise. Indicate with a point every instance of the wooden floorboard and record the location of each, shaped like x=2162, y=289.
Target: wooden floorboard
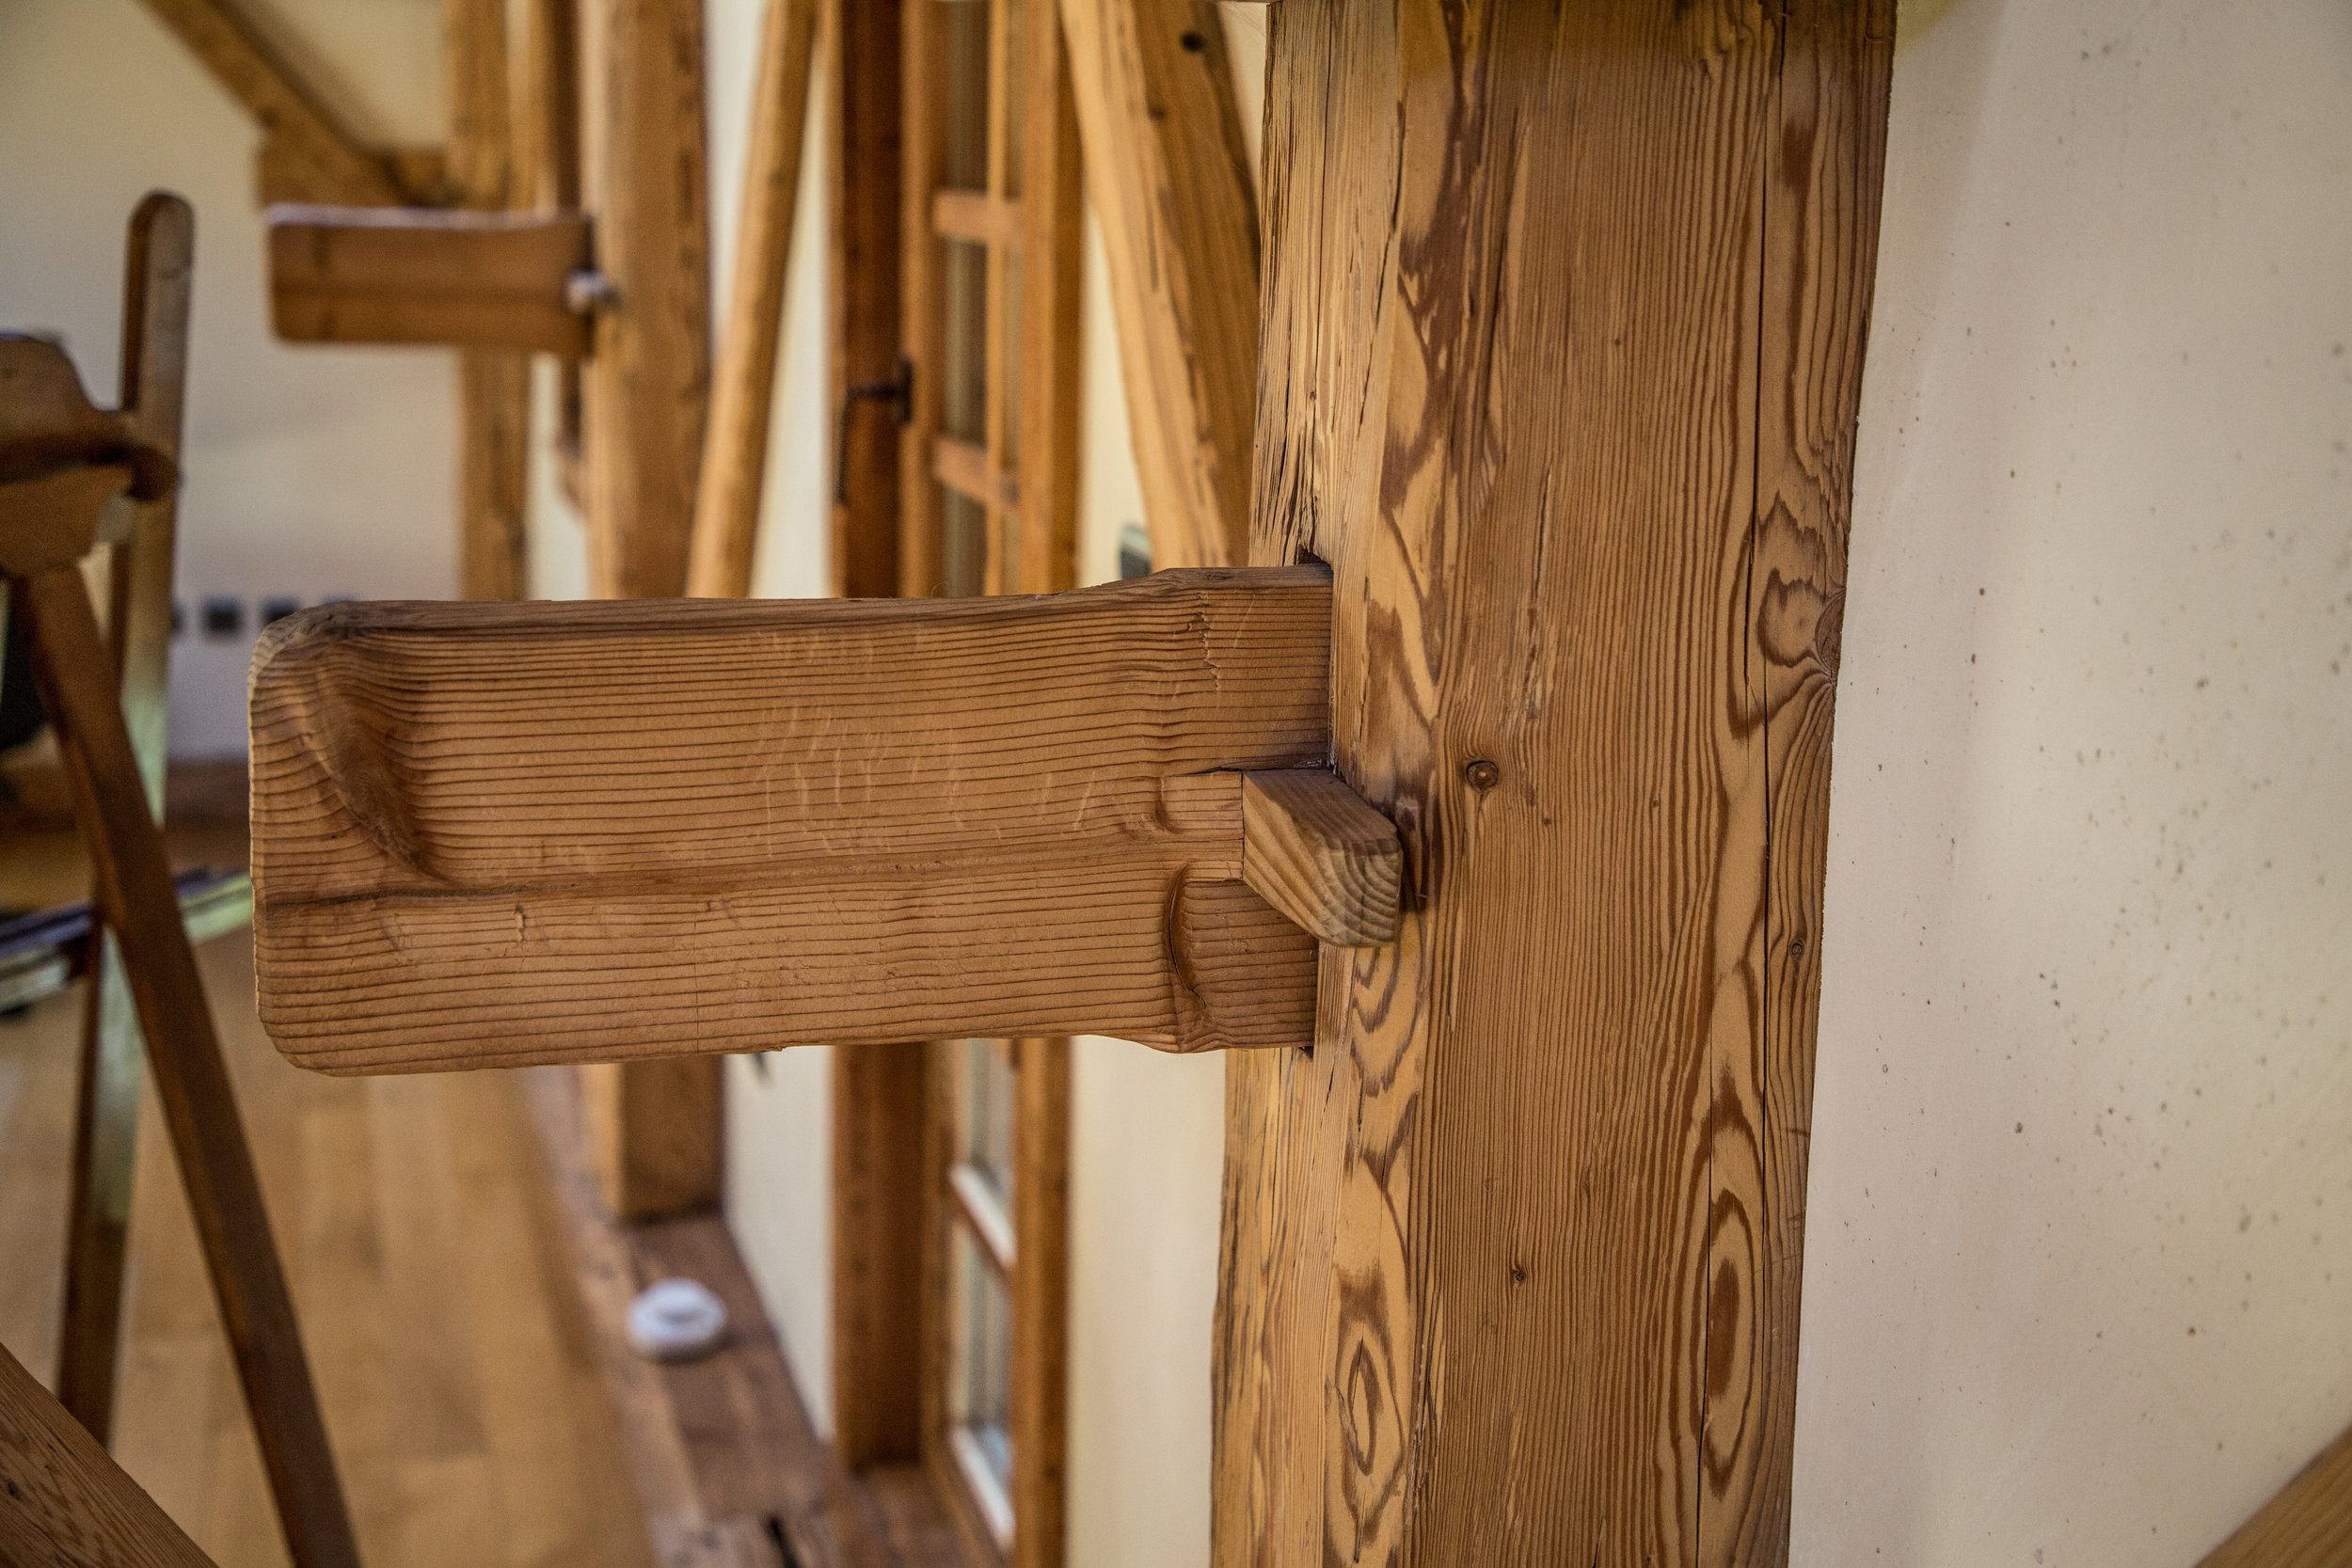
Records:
x=462, y=1398
x=729, y=1471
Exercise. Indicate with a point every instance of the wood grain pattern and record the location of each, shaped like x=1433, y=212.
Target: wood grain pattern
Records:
x=63, y=1503
x=307, y=155
x=493, y=388
x=400, y=275
x=1565, y=316
x=2308, y=1525
x=217, y=1168
x=1315, y=850
x=486, y=835
x=734, y=448
x=649, y=381
x=1170, y=174
x=158, y=277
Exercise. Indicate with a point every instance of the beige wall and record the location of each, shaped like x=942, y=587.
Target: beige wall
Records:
x=310, y=472
x=2079, y=1273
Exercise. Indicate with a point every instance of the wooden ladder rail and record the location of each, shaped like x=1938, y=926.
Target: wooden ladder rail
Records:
x=62, y=465
x=138, y=628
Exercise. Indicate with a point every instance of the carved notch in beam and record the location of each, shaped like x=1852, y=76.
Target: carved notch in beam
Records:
x=491, y=834
x=405, y=275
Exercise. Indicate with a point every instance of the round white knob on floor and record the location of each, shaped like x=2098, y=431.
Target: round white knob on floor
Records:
x=675, y=1319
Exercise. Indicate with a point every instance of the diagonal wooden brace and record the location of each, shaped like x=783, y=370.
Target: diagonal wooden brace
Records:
x=493, y=834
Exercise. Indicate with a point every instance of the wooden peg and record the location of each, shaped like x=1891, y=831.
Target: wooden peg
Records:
x=1315, y=850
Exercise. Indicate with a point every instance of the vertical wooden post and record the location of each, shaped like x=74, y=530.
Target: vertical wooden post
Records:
x=878, y=1092
x=649, y=379
x=158, y=274
x=494, y=388
x=655, y=1125
x=861, y=177
x=1563, y=330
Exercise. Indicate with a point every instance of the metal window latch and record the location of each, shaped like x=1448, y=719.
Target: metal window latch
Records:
x=898, y=389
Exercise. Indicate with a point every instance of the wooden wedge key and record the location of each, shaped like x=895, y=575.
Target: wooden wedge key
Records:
x=494, y=835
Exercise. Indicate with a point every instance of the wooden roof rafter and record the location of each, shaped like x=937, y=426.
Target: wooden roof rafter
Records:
x=307, y=154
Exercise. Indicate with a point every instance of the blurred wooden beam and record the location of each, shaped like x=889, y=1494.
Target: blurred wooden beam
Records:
x=369, y=275
x=1170, y=174
x=494, y=385
x=308, y=155
x=735, y=450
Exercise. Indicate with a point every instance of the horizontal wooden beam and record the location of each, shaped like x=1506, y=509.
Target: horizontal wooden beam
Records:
x=405, y=275
x=491, y=834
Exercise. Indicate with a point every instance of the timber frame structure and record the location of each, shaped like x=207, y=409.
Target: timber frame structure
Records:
x=1471, y=787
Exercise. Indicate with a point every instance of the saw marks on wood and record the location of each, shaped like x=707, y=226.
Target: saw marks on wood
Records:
x=1563, y=331
x=495, y=834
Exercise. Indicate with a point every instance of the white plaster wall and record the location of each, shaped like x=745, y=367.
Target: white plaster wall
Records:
x=309, y=471
x=778, y=1105
x=2079, y=1273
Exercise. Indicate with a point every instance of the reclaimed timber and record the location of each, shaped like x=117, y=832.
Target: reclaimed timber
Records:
x=734, y=445
x=648, y=380
x=486, y=836
x=2308, y=1525
x=360, y=275
x=1168, y=170
x=134, y=892
x=1315, y=850
x=63, y=1502
x=158, y=275
x=493, y=387
x=307, y=155
x=1511, y=1260
x=863, y=171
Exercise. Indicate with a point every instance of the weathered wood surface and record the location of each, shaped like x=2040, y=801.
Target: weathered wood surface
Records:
x=63, y=1502
x=1170, y=174
x=1563, y=331
x=2308, y=1525
x=134, y=893
x=158, y=275
x=486, y=836
x=734, y=445
x=365, y=275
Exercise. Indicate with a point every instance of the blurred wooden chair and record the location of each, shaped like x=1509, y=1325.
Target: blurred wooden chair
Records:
x=74, y=478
